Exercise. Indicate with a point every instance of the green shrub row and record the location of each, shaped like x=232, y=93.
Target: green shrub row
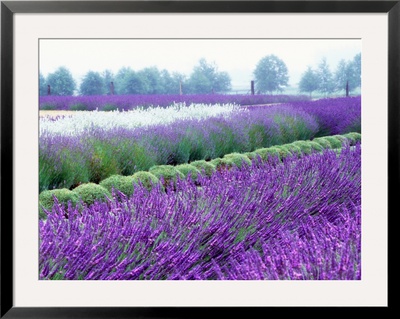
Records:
x=165, y=174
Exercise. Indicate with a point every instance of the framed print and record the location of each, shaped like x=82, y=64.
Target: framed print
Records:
x=175, y=159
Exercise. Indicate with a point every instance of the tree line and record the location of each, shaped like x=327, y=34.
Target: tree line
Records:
x=270, y=75
x=346, y=78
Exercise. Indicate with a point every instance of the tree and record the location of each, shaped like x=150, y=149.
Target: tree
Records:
x=325, y=79
x=151, y=78
x=108, y=77
x=42, y=85
x=206, y=78
x=92, y=84
x=348, y=72
x=120, y=79
x=341, y=75
x=309, y=81
x=61, y=82
x=271, y=74
x=130, y=82
x=356, y=70
x=178, y=84
x=171, y=83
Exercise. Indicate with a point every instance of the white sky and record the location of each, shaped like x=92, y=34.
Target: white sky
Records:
x=237, y=57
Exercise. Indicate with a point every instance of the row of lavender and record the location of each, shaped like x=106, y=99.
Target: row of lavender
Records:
x=129, y=102
x=97, y=153
x=298, y=219
x=87, y=193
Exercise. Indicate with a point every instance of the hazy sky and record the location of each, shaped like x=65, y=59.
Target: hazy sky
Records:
x=237, y=57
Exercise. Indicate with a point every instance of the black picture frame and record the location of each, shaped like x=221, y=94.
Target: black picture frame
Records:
x=8, y=8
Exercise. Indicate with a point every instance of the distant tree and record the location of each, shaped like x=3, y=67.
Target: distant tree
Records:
x=42, y=85
x=325, y=78
x=61, y=82
x=206, y=78
x=121, y=78
x=356, y=70
x=171, y=83
x=309, y=81
x=271, y=74
x=151, y=78
x=348, y=72
x=130, y=82
x=342, y=76
x=179, y=82
x=108, y=77
x=92, y=84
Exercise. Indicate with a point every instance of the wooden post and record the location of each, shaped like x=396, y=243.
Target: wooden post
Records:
x=112, y=88
x=48, y=90
x=252, y=87
x=347, y=88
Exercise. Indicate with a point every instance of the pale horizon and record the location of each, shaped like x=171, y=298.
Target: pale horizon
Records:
x=237, y=57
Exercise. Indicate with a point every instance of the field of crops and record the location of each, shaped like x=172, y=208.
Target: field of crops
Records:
x=131, y=102
x=202, y=191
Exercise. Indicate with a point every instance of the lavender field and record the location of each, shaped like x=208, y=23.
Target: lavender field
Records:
x=130, y=102
x=198, y=191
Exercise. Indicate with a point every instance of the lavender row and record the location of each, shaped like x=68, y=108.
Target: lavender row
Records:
x=298, y=219
x=97, y=153
x=334, y=116
x=129, y=102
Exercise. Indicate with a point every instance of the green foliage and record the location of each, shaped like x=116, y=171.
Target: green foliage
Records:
x=61, y=82
x=103, y=162
x=267, y=153
x=335, y=143
x=343, y=140
x=316, y=146
x=271, y=74
x=224, y=140
x=48, y=106
x=63, y=195
x=251, y=155
x=131, y=157
x=166, y=172
x=107, y=77
x=42, y=85
x=122, y=183
x=222, y=163
x=258, y=136
x=78, y=107
x=309, y=81
x=293, y=149
x=203, y=166
x=146, y=179
x=152, y=77
x=57, y=173
x=348, y=72
x=127, y=81
x=92, y=84
x=304, y=146
x=292, y=129
x=282, y=151
x=353, y=137
x=323, y=142
x=109, y=107
x=238, y=159
x=187, y=169
x=206, y=79
x=325, y=78
x=91, y=192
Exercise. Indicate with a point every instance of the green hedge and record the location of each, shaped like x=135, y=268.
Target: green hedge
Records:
x=90, y=192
